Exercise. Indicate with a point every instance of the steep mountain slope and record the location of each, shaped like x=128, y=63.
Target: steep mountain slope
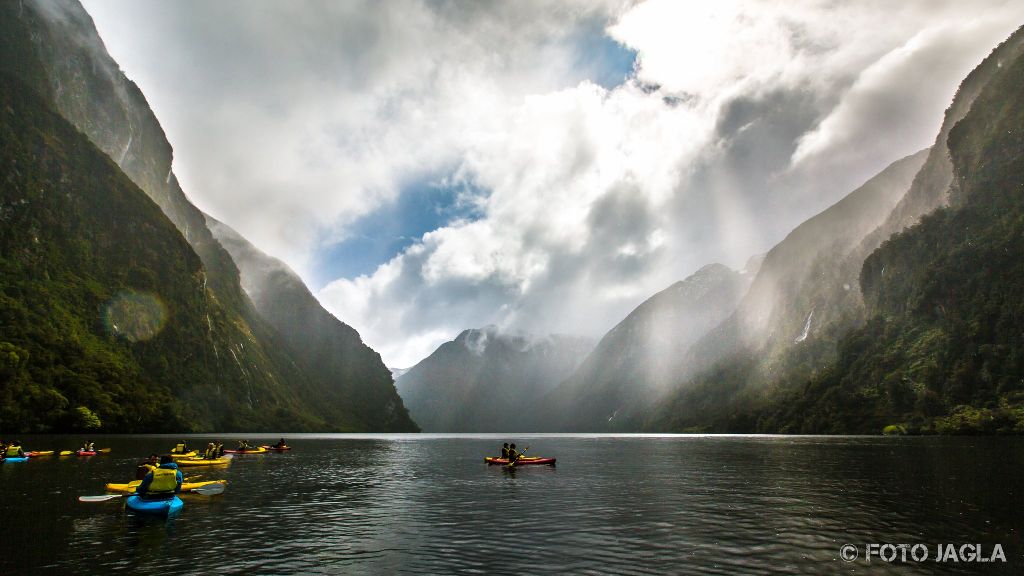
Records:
x=484, y=380
x=53, y=46
x=643, y=354
x=809, y=279
x=731, y=395
x=944, y=350
x=106, y=320
x=322, y=344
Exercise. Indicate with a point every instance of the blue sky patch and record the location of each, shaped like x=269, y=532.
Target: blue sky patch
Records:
x=421, y=206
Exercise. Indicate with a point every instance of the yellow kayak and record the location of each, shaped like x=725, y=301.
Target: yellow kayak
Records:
x=130, y=487
x=201, y=462
x=191, y=454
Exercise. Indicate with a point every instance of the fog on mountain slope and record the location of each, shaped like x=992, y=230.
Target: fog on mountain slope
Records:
x=644, y=354
x=487, y=380
x=759, y=387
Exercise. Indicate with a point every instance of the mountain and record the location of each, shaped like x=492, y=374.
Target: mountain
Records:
x=53, y=47
x=320, y=343
x=642, y=355
x=107, y=322
x=797, y=389
x=943, y=350
x=485, y=379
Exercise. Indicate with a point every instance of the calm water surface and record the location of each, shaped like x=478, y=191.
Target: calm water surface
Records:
x=427, y=504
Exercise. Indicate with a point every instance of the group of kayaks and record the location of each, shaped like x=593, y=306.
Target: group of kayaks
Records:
x=38, y=453
x=170, y=506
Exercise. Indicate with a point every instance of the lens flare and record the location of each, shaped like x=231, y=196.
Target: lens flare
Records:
x=135, y=316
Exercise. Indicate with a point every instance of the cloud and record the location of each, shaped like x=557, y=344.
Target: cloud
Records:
x=293, y=122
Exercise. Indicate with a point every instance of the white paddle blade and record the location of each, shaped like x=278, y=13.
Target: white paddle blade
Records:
x=103, y=498
x=210, y=489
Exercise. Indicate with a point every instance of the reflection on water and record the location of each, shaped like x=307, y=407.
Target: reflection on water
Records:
x=383, y=504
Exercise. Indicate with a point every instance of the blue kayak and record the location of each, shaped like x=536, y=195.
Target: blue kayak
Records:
x=25, y=459
x=162, y=507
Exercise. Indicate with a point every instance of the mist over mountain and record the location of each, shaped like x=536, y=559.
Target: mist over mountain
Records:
x=53, y=48
x=643, y=354
x=323, y=345
x=889, y=362
x=487, y=380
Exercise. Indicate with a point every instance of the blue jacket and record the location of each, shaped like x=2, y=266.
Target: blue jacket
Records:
x=144, y=487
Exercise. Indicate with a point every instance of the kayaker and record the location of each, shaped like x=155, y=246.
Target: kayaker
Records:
x=163, y=482
x=211, y=451
x=243, y=445
x=513, y=455
x=504, y=450
x=280, y=444
x=180, y=448
x=87, y=447
x=14, y=450
x=146, y=467
x=220, y=448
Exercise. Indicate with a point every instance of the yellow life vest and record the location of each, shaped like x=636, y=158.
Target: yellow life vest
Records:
x=179, y=449
x=165, y=480
x=12, y=451
x=211, y=453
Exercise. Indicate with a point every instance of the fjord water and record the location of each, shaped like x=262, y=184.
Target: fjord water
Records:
x=427, y=504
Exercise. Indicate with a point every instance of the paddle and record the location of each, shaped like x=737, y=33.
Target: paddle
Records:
x=208, y=490
x=518, y=456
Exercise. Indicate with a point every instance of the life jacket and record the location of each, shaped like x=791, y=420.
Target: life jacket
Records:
x=179, y=449
x=504, y=452
x=165, y=481
x=211, y=453
x=13, y=452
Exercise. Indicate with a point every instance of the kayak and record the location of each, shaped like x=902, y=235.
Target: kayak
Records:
x=191, y=454
x=86, y=453
x=524, y=461
x=259, y=450
x=130, y=487
x=38, y=453
x=198, y=462
x=276, y=448
x=16, y=459
x=162, y=507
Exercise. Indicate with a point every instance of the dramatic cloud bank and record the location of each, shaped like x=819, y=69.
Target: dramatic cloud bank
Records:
x=578, y=192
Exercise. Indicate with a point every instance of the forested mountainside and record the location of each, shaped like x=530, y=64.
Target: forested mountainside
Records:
x=320, y=343
x=642, y=355
x=107, y=322
x=53, y=47
x=940, y=350
x=487, y=380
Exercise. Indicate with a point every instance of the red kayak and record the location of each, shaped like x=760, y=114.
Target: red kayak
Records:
x=86, y=452
x=531, y=461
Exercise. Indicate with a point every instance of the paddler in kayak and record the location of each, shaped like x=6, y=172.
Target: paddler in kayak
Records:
x=14, y=450
x=163, y=482
x=147, y=466
x=280, y=444
x=211, y=452
x=220, y=448
x=504, y=450
x=243, y=445
x=87, y=446
x=513, y=455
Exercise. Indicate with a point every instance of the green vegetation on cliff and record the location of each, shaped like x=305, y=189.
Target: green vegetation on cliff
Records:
x=105, y=318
